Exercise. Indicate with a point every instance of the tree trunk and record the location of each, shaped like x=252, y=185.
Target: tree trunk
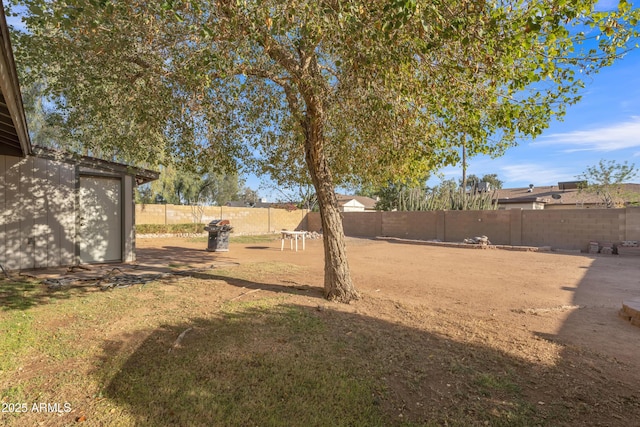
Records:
x=464, y=166
x=337, y=278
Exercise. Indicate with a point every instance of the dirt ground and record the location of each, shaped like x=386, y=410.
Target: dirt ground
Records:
x=552, y=317
x=451, y=336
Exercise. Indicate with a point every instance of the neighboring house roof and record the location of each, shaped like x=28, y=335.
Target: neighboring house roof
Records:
x=555, y=195
x=367, y=202
x=14, y=136
x=242, y=204
x=236, y=204
x=351, y=203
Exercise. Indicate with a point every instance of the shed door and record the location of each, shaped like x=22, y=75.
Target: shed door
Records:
x=100, y=219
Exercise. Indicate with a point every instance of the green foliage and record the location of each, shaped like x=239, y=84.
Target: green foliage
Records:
x=605, y=180
x=224, y=83
x=308, y=199
x=448, y=197
x=169, y=228
x=401, y=197
x=473, y=182
x=609, y=172
x=42, y=131
x=492, y=179
x=144, y=195
x=176, y=186
x=249, y=196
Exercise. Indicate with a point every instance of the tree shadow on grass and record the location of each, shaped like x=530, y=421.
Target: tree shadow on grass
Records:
x=262, y=363
x=25, y=293
x=315, y=292
x=157, y=260
x=167, y=255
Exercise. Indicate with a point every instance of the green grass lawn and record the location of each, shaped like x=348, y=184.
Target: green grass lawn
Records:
x=112, y=356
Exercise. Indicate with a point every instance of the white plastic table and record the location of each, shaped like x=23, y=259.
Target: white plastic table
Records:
x=294, y=235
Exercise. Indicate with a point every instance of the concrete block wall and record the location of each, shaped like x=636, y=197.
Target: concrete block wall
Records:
x=355, y=224
x=573, y=229
x=515, y=227
x=243, y=220
x=496, y=225
x=362, y=224
x=151, y=214
x=632, y=225
x=282, y=219
x=561, y=228
x=247, y=221
x=411, y=225
x=314, y=222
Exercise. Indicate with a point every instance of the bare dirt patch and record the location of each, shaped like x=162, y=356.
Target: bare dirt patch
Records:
x=552, y=316
x=442, y=336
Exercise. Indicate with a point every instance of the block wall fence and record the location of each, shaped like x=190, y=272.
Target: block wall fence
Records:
x=561, y=229
x=243, y=220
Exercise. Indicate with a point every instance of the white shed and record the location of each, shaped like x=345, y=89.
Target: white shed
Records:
x=58, y=209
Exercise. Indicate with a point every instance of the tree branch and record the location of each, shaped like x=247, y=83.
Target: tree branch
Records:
x=286, y=85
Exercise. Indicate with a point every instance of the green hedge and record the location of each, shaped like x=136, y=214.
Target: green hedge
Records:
x=169, y=228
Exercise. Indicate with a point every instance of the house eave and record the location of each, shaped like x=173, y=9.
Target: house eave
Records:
x=14, y=134
x=522, y=200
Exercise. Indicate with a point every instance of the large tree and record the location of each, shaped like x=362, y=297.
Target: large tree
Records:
x=606, y=180
x=473, y=182
x=182, y=187
x=356, y=90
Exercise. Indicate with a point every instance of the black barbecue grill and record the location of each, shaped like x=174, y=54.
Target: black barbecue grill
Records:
x=219, y=230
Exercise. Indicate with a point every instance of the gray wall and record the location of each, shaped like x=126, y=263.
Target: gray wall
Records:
x=128, y=213
x=564, y=229
x=38, y=208
x=38, y=220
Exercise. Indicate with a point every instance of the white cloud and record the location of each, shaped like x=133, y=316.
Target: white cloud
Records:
x=513, y=173
x=617, y=136
x=534, y=173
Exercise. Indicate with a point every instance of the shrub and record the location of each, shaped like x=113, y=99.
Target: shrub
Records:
x=169, y=228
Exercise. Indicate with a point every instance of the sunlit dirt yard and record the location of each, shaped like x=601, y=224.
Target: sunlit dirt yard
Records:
x=441, y=336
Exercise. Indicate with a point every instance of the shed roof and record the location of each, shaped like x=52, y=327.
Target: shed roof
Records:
x=142, y=175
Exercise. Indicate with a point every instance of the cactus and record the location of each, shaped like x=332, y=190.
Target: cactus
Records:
x=421, y=200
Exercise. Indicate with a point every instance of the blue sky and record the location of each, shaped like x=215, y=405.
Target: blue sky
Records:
x=605, y=124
